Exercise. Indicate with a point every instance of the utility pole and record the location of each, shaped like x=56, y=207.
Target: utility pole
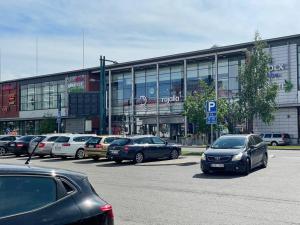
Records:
x=102, y=95
x=102, y=109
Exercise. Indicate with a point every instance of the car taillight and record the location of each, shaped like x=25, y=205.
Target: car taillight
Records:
x=20, y=145
x=42, y=145
x=99, y=146
x=66, y=144
x=126, y=148
x=108, y=210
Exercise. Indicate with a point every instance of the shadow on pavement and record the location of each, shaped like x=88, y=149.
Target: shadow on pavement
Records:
x=170, y=164
x=56, y=159
x=217, y=176
x=113, y=164
x=90, y=161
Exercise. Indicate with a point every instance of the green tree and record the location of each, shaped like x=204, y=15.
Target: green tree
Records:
x=194, y=107
x=257, y=92
x=47, y=125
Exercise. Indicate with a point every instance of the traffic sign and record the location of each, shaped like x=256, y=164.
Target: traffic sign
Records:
x=211, y=112
x=211, y=106
x=211, y=120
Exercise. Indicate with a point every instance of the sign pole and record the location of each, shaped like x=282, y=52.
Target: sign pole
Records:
x=211, y=134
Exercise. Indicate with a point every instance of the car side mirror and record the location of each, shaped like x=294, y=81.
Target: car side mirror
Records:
x=166, y=142
x=252, y=146
x=207, y=146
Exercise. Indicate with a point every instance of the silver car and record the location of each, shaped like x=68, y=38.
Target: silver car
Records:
x=44, y=145
x=276, y=138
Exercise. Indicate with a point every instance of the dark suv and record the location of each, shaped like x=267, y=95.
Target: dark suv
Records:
x=5, y=141
x=33, y=195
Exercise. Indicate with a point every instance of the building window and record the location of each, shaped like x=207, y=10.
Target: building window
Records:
x=42, y=95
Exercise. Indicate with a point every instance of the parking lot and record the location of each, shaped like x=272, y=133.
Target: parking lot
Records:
x=176, y=192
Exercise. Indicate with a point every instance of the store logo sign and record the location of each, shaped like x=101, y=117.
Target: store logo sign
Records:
x=170, y=99
x=278, y=67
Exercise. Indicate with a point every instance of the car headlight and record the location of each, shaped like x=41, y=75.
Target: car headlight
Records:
x=203, y=157
x=237, y=157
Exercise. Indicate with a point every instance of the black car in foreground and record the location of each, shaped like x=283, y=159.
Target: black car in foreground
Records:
x=140, y=148
x=43, y=196
x=235, y=153
x=21, y=145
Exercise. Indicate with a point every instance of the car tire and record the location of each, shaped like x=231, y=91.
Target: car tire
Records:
x=139, y=157
x=79, y=154
x=2, y=151
x=17, y=155
x=247, y=167
x=174, y=154
x=274, y=143
x=118, y=161
x=63, y=157
x=41, y=156
x=205, y=171
x=96, y=158
x=265, y=161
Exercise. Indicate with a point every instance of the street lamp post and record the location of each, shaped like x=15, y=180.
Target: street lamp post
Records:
x=102, y=95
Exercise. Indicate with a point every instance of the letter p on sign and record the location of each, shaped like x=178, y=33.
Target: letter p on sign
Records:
x=211, y=106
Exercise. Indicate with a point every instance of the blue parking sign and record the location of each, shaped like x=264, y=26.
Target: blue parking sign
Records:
x=211, y=106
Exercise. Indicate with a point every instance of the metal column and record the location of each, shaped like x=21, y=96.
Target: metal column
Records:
x=216, y=75
x=102, y=87
x=132, y=130
x=157, y=100
x=185, y=93
x=109, y=102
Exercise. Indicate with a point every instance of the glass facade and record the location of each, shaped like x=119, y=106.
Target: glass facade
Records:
x=171, y=93
x=40, y=96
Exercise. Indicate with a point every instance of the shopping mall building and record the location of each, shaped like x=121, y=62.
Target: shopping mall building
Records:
x=146, y=96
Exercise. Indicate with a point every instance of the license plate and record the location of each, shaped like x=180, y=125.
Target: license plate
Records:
x=12, y=145
x=91, y=146
x=114, y=151
x=58, y=148
x=217, y=165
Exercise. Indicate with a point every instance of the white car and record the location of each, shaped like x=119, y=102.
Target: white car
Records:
x=71, y=145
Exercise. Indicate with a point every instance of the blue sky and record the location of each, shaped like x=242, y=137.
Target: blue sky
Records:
x=125, y=30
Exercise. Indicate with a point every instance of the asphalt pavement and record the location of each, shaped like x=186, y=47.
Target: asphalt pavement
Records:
x=172, y=192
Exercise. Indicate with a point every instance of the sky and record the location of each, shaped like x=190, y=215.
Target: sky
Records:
x=125, y=30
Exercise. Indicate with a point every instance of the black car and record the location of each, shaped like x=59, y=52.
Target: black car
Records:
x=43, y=196
x=235, y=153
x=5, y=140
x=21, y=145
x=140, y=148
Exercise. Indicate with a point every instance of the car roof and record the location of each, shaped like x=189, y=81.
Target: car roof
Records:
x=12, y=169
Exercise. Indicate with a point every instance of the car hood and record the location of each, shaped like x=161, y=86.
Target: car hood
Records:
x=213, y=151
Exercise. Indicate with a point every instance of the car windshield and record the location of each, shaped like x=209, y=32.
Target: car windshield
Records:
x=229, y=143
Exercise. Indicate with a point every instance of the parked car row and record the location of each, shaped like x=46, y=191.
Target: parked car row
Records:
x=79, y=146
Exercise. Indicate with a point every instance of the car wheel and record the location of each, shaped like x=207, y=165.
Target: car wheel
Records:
x=2, y=151
x=265, y=161
x=96, y=158
x=118, y=161
x=205, y=171
x=79, y=154
x=63, y=157
x=139, y=157
x=174, y=154
x=247, y=167
x=41, y=156
x=274, y=143
x=17, y=155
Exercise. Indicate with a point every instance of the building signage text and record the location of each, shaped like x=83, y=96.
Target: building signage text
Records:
x=144, y=100
x=274, y=69
x=76, y=83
